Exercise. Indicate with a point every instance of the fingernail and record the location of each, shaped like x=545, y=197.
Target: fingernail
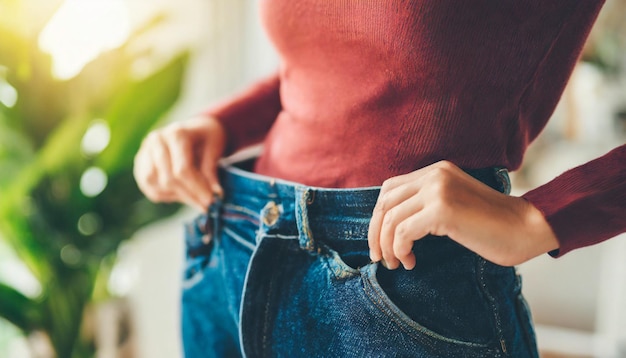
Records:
x=373, y=257
x=217, y=190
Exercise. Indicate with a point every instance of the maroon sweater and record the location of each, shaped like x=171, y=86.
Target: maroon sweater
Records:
x=372, y=89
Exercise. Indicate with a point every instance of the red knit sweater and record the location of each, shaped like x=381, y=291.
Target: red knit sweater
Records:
x=372, y=89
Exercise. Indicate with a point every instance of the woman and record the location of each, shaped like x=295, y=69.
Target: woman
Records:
x=376, y=108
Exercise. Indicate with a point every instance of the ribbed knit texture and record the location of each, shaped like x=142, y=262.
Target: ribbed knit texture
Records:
x=372, y=89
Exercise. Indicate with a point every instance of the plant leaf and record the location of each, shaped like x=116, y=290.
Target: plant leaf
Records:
x=138, y=109
x=18, y=309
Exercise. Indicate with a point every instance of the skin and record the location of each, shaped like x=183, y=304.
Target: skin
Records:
x=179, y=163
x=443, y=200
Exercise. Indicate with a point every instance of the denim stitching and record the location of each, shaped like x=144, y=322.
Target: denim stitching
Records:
x=240, y=240
x=267, y=312
x=333, y=262
x=302, y=215
x=529, y=338
x=237, y=216
x=195, y=278
x=241, y=209
x=481, y=263
x=284, y=237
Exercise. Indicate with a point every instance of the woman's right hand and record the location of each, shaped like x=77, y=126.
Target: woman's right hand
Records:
x=178, y=163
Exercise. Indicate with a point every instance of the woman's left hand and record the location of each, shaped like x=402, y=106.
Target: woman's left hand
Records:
x=443, y=200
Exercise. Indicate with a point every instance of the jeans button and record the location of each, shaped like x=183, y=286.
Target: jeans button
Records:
x=271, y=213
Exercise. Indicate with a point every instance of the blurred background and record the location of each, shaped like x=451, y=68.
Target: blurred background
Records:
x=89, y=268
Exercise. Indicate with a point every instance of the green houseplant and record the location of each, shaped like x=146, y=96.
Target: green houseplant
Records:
x=65, y=231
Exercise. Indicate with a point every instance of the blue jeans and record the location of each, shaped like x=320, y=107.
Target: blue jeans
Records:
x=277, y=269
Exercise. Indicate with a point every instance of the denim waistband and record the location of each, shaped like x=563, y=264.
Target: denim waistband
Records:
x=290, y=208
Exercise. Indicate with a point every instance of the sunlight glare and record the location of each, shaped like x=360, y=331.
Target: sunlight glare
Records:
x=8, y=94
x=15, y=273
x=93, y=182
x=96, y=138
x=81, y=30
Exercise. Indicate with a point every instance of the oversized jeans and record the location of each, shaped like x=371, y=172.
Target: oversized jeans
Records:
x=278, y=269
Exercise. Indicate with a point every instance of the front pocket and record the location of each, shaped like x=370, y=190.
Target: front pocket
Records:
x=420, y=310
x=440, y=300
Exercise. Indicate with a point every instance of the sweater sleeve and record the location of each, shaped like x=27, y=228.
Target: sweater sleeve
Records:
x=585, y=205
x=248, y=116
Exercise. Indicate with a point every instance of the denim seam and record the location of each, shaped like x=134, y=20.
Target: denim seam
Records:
x=188, y=283
x=411, y=327
x=235, y=216
x=481, y=263
x=522, y=314
x=267, y=312
x=382, y=307
x=238, y=239
x=333, y=262
x=284, y=237
x=302, y=220
x=241, y=209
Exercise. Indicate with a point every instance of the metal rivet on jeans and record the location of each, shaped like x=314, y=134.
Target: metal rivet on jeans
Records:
x=310, y=197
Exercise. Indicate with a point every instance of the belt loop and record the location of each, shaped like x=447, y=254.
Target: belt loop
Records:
x=502, y=174
x=202, y=232
x=215, y=209
x=303, y=200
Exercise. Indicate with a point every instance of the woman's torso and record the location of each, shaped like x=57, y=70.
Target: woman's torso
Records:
x=373, y=89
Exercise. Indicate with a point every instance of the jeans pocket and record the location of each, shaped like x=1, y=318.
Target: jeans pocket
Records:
x=343, y=265
x=446, y=310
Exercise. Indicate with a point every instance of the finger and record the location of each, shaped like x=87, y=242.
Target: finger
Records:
x=415, y=175
x=387, y=201
x=160, y=158
x=373, y=233
x=166, y=181
x=185, y=172
x=208, y=167
x=156, y=196
x=376, y=222
x=412, y=229
x=144, y=171
x=393, y=218
x=146, y=177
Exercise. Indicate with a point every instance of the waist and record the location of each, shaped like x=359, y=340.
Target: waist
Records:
x=331, y=213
